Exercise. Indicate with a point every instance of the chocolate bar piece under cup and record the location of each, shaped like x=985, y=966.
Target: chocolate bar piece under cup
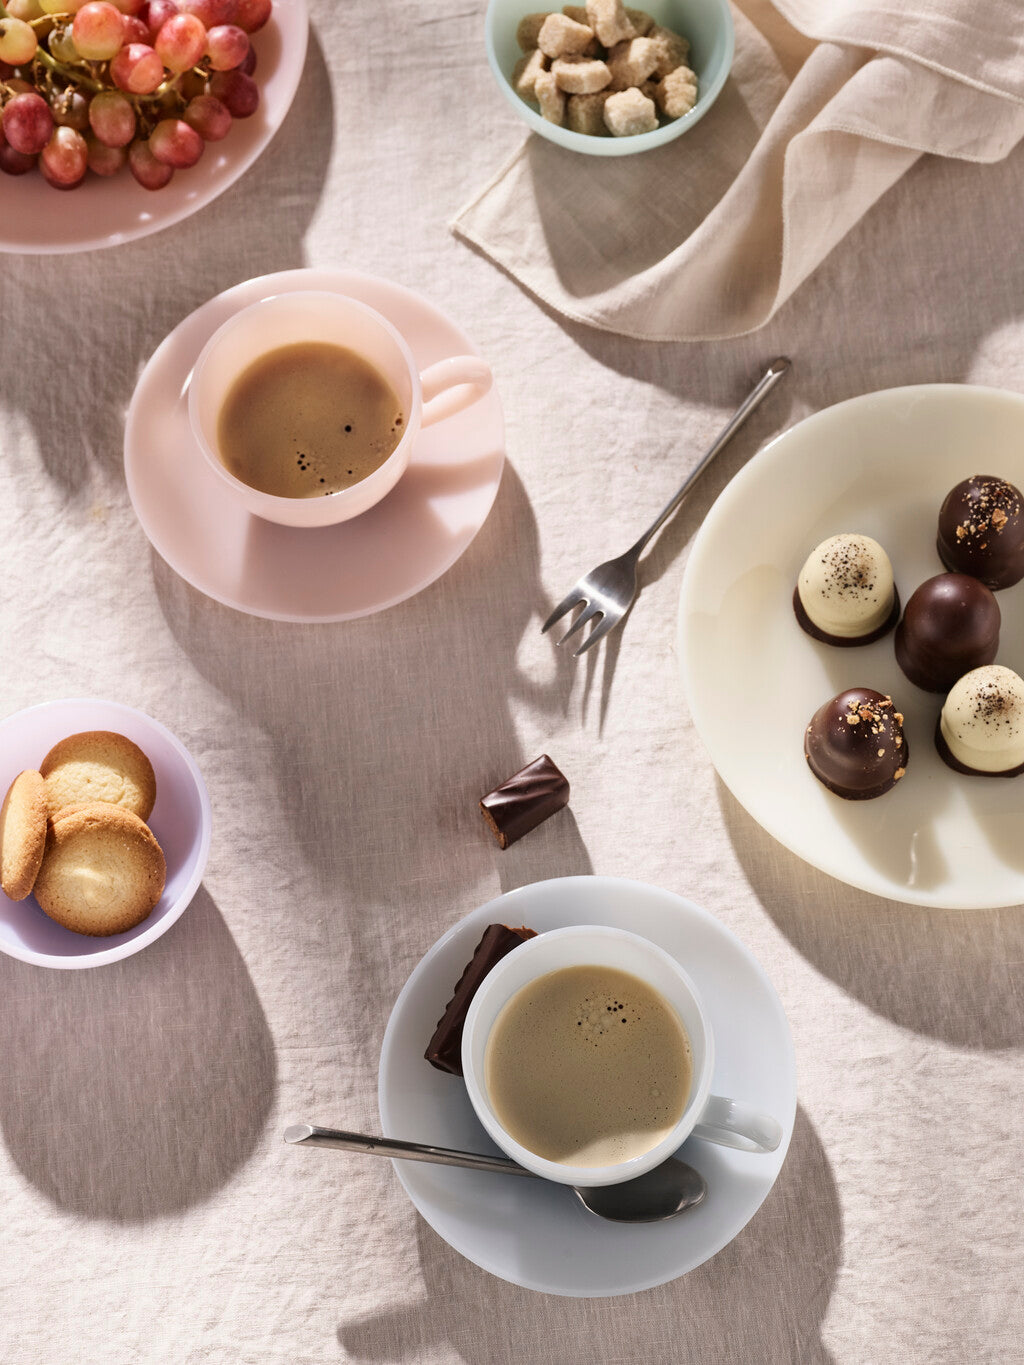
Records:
x=529, y=797
x=445, y=1048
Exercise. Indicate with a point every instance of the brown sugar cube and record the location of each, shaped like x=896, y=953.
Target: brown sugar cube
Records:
x=527, y=69
x=642, y=22
x=628, y=112
x=586, y=114
x=560, y=35
x=673, y=50
x=676, y=94
x=609, y=21
x=550, y=98
x=580, y=75
x=578, y=13
x=631, y=62
x=529, y=30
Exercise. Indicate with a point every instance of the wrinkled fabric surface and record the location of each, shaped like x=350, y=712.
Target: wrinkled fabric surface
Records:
x=730, y=218
x=151, y=1212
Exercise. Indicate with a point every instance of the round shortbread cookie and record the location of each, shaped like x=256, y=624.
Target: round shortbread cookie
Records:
x=103, y=871
x=77, y=806
x=22, y=834
x=99, y=765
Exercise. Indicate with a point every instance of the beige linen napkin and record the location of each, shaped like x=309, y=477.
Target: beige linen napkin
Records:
x=708, y=236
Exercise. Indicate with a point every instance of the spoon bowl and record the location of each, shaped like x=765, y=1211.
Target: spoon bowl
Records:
x=668, y=1190
x=664, y=1192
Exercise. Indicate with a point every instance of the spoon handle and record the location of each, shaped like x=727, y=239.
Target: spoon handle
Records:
x=310, y=1136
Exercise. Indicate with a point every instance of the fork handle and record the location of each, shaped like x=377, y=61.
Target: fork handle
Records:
x=754, y=398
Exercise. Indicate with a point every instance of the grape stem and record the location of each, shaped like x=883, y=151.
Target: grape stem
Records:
x=70, y=75
x=77, y=78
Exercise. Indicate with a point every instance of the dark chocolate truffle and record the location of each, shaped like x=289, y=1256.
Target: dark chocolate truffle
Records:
x=950, y=625
x=981, y=531
x=855, y=744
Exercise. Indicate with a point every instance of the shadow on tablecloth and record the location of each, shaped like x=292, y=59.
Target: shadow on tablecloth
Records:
x=137, y=1089
x=381, y=736
x=762, y=1298
x=950, y=974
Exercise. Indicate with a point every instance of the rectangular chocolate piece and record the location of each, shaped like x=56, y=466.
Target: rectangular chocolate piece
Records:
x=445, y=1048
x=525, y=800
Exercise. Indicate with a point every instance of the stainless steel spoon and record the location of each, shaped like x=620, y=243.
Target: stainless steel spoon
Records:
x=670, y=1189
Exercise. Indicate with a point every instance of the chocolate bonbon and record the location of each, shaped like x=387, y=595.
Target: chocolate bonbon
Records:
x=981, y=728
x=525, y=800
x=855, y=746
x=981, y=530
x=950, y=626
x=845, y=593
x=445, y=1048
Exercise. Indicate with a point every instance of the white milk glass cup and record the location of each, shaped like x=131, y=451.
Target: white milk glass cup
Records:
x=728, y=1122
x=320, y=316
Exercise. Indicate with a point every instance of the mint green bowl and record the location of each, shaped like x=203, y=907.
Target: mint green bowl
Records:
x=707, y=24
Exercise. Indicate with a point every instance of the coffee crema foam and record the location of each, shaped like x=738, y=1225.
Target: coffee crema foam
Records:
x=588, y=1066
x=308, y=419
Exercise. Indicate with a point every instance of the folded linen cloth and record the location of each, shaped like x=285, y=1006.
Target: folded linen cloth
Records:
x=708, y=236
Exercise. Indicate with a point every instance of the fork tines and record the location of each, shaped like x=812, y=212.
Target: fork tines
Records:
x=579, y=598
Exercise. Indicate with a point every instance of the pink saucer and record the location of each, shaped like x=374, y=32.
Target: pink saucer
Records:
x=389, y=553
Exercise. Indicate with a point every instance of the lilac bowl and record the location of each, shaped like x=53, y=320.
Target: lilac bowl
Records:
x=180, y=820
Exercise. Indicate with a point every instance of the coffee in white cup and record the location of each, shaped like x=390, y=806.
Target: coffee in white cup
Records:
x=729, y=1122
x=588, y=1065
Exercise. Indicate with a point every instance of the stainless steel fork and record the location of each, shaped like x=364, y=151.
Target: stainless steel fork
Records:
x=607, y=592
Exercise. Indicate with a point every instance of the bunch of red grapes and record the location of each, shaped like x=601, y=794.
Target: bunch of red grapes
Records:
x=92, y=85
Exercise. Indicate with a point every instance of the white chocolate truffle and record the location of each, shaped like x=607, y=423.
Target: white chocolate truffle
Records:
x=982, y=721
x=846, y=587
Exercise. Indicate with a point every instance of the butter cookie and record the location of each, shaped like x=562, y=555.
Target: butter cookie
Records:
x=102, y=871
x=22, y=834
x=99, y=765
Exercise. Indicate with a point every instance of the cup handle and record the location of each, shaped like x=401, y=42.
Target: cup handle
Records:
x=451, y=385
x=731, y=1123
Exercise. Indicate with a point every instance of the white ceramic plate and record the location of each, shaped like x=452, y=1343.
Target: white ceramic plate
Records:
x=333, y=573
x=40, y=220
x=880, y=464
x=536, y=1234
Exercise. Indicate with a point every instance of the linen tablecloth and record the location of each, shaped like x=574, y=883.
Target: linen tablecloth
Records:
x=150, y=1210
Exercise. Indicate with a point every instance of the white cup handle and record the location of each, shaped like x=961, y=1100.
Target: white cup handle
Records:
x=731, y=1123
x=451, y=385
